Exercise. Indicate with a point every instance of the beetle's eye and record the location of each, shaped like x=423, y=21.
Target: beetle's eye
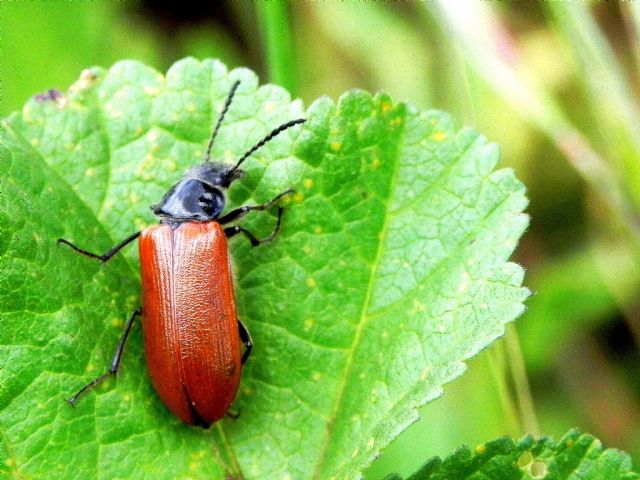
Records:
x=207, y=203
x=210, y=201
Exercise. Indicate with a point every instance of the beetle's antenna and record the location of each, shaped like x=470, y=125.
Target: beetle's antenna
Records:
x=262, y=142
x=234, y=87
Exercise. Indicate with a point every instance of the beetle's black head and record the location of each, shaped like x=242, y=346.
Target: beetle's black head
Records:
x=199, y=195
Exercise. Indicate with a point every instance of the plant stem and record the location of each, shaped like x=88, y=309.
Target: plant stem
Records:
x=497, y=356
x=274, y=24
x=610, y=96
x=631, y=12
x=484, y=39
x=528, y=418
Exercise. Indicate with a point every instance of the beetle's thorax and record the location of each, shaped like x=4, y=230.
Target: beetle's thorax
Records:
x=198, y=196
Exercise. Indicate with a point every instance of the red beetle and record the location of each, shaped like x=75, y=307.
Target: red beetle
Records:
x=192, y=334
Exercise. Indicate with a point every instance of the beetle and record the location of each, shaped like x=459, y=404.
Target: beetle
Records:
x=192, y=335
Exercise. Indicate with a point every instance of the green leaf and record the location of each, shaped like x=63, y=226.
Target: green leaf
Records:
x=578, y=456
x=390, y=270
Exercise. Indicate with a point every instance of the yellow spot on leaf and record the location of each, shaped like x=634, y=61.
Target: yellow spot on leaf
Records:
x=317, y=230
x=35, y=142
x=480, y=449
x=376, y=163
x=87, y=77
x=439, y=136
x=317, y=376
x=335, y=146
x=538, y=469
x=417, y=307
x=371, y=442
x=133, y=197
x=298, y=197
x=151, y=91
x=311, y=282
x=308, y=324
x=308, y=183
x=26, y=111
x=199, y=455
x=191, y=107
x=524, y=460
x=464, y=284
x=117, y=322
x=152, y=136
x=386, y=106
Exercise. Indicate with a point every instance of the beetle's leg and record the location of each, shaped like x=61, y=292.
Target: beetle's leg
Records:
x=105, y=256
x=242, y=211
x=245, y=336
x=231, y=231
x=115, y=363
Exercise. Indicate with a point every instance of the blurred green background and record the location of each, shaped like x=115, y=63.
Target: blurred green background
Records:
x=556, y=84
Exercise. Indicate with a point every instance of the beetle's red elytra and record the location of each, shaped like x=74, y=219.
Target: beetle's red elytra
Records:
x=191, y=338
x=192, y=335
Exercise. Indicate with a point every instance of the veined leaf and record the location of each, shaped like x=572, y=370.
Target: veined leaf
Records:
x=578, y=456
x=390, y=270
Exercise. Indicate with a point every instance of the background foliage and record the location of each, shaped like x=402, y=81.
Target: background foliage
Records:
x=555, y=84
